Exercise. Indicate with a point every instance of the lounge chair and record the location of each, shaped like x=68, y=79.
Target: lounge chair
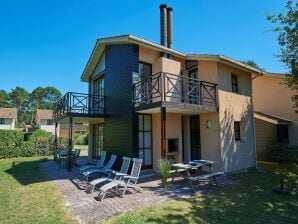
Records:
x=99, y=164
x=104, y=170
x=113, y=175
x=129, y=181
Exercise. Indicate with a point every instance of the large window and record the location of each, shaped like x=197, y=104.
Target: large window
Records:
x=2, y=120
x=237, y=131
x=234, y=80
x=97, y=140
x=145, y=139
x=98, y=86
x=145, y=71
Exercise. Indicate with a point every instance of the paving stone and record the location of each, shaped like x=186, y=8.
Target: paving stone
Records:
x=87, y=209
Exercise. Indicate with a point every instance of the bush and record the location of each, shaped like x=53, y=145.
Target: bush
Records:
x=164, y=168
x=81, y=139
x=284, y=153
x=40, y=136
x=12, y=144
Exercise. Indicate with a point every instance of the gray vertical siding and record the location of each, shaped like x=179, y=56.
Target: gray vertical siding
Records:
x=119, y=132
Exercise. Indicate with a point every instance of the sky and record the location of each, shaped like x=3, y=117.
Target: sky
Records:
x=48, y=43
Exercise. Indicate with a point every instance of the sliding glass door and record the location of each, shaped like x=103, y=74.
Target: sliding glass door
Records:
x=145, y=139
x=97, y=140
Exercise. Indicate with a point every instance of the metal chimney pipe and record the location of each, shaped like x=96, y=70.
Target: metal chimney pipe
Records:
x=163, y=26
x=169, y=27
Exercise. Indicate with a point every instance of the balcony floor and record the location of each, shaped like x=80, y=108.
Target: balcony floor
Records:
x=174, y=107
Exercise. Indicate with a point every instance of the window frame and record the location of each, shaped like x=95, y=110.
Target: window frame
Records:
x=2, y=121
x=237, y=131
x=142, y=131
x=234, y=83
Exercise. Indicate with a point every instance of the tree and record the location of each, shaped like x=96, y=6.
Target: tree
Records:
x=286, y=26
x=4, y=99
x=51, y=95
x=20, y=99
x=251, y=63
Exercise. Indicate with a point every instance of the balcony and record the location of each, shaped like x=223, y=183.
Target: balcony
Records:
x=174, y=91
x=79, y=105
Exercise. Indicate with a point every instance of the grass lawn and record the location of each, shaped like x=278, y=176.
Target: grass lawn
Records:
x=26, y=196
x=250, y=201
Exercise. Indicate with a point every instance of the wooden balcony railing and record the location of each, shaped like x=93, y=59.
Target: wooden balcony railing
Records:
x=166, y=87
x=79, y=105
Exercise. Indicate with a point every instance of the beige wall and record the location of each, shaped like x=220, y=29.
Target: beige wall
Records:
x=210, y=141
x=9, y=124
x=224, y=79
x=173, y=130
x=236, y=155
x=207, y=71
x=271, y=96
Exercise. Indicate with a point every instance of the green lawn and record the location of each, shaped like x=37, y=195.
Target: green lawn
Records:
x=250, y=201
x=26, y=196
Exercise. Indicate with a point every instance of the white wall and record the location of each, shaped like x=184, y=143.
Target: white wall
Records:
x=9, y=124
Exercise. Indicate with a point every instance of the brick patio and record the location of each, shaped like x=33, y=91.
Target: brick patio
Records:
x=86, y=208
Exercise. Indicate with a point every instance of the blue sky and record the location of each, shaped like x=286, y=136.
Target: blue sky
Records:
x=47, y=43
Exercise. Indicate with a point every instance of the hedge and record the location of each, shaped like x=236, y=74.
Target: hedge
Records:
x=12, y=144
x=284, y=153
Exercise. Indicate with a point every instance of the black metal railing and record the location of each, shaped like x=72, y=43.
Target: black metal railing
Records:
x=76, y=104
x=174, y=88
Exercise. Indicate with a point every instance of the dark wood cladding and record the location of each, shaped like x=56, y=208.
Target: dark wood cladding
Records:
x=119, y=133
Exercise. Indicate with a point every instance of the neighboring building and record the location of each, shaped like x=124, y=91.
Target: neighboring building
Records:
x=275, y=117
x=44, y=120
x=8, y=117
x=150, y=101
x=78, y=128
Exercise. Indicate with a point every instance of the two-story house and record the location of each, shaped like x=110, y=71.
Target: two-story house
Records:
x=8, y=117
x=44, y=120
x=275, y=115
x=151, y=101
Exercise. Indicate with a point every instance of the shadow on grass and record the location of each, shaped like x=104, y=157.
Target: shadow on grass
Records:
x=252, y=201
x=28, y=172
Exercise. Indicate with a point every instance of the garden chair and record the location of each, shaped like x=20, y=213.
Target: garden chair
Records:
x=104, y=170
x=113, y=175
x=129, y=181
x=76, y=155
x=99, y=164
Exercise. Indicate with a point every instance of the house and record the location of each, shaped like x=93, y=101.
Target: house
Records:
x=8, y=117
x=77, y=129
x=151, y=101
x=44, y=120
x=275, y=116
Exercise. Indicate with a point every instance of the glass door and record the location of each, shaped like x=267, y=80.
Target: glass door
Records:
x=145, y=139
x=97, y=140
x=98, y=93
x=193, y=88
x=195, y=141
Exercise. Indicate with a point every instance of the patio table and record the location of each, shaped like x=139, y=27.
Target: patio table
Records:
x=195, y=165
x=62, y=156
x=191, y=165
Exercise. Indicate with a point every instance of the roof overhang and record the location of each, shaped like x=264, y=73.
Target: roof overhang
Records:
x=124, y=39
x=225, y=60
x=271, y=118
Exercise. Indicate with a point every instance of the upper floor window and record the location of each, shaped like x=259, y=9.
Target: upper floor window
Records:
x=2, y=120
x=145, y=71
x=237, y=131
x=234, y=80
x=98, y=86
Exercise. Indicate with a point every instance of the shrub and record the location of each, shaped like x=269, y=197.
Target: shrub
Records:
x=39, y=136
x=284, y=153
x=12, y=144
x=81, y=139
x=164, y=168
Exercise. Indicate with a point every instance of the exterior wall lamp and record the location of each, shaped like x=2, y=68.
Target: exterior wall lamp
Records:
x=208, y=124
